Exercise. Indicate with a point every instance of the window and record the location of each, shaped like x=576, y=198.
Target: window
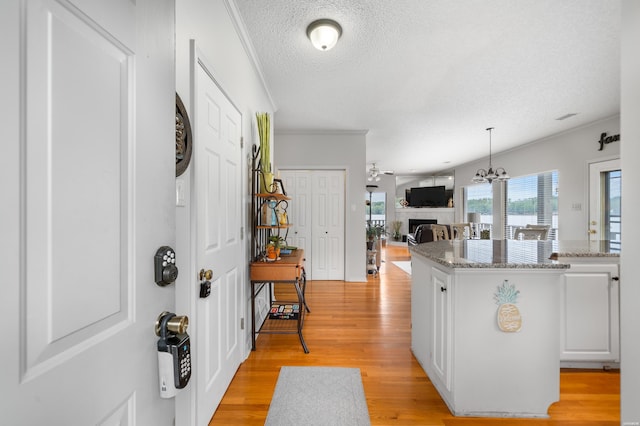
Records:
x=376, y=208
x=532, y=200
x=479, y=199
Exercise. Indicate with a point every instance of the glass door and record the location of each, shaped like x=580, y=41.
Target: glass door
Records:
x=605, y=201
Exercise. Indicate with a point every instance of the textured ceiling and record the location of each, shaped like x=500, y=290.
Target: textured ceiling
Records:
x=425, y=78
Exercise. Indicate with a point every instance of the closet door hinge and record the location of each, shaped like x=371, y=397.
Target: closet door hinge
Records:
x=241, y=323
x=241, y=141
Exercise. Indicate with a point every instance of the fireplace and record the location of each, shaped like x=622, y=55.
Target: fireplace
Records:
x=413, y=223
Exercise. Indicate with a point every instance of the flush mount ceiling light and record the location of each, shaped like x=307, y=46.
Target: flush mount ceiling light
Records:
x=324, y=33
x=483, y=175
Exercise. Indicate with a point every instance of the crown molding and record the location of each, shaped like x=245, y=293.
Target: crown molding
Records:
x=241, y=30
x=319, y=132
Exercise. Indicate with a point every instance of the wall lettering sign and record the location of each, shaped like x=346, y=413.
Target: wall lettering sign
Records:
x=605, y=140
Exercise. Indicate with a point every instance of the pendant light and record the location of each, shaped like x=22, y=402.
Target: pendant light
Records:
x=490, y=175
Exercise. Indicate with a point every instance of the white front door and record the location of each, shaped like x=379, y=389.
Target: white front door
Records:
x=88, y=116
x=605, y=200
x=218, y=198
x=327, y=208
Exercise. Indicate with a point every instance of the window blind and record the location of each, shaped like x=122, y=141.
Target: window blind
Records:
x=532, y=200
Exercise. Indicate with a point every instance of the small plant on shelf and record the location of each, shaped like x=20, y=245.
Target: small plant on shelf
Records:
x=276, y=242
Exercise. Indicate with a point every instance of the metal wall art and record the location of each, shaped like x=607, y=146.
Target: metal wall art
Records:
x=184, y=140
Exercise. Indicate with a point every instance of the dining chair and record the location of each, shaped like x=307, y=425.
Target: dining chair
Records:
x=530, y=234
x=440, y=232
x=461, y=231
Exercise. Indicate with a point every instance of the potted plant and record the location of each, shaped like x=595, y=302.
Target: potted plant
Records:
x=396, y=225
x=276, y=242
x=373, y=232
x=371, y=236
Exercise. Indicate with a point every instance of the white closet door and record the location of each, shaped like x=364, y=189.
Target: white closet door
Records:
x=327, y=208
x=297, y=184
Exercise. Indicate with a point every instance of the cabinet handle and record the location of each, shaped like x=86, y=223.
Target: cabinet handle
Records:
x=443, y=289
x=615, y=278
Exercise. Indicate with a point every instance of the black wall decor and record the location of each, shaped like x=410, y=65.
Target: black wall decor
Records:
x=605, y=140
x=183, y=137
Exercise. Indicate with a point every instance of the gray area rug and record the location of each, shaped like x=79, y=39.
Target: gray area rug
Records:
x=324, y=396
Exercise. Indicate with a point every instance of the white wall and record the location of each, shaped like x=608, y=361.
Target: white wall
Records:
x=629, y=282
x=211, y=23
x=570, y=153
x=339, y=151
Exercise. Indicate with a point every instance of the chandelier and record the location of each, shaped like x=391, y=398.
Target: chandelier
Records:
x=490, y=175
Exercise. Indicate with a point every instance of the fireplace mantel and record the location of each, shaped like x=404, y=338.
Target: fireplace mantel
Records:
x=443, y=215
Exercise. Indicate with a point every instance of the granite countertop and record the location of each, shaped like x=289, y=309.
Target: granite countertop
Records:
x=600, y=248
x=509, y=253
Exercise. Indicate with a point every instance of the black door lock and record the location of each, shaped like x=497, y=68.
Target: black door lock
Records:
x=205, y=289
x=164, y=263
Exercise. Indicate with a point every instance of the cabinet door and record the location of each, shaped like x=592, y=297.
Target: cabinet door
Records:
x=590, y=324
x=441, y=333
x=420, y=314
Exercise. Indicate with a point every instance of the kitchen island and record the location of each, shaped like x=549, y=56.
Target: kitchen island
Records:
x=485, y=324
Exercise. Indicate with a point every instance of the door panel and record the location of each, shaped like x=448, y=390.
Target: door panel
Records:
x=217, y=181
x=441, y=311
x=328, y=225
x=90, y=181
x=590, y=323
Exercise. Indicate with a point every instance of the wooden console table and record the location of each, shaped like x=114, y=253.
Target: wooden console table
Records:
x=289, y=269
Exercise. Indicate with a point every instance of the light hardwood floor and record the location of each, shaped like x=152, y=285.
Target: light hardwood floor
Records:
x=367, y=325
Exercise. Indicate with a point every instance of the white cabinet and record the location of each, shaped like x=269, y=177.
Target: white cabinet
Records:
x=478, y=369
x=589, y=316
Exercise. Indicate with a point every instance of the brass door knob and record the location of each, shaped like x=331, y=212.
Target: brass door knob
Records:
x=206, y=275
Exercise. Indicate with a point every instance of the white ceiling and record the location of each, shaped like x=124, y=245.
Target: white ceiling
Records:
x=425, y=78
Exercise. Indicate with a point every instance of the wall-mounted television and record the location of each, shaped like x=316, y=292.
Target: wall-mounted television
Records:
x=427, y=196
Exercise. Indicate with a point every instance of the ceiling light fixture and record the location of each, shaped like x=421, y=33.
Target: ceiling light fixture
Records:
x=490, y=175
x=374, y=173
x=324, y=33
